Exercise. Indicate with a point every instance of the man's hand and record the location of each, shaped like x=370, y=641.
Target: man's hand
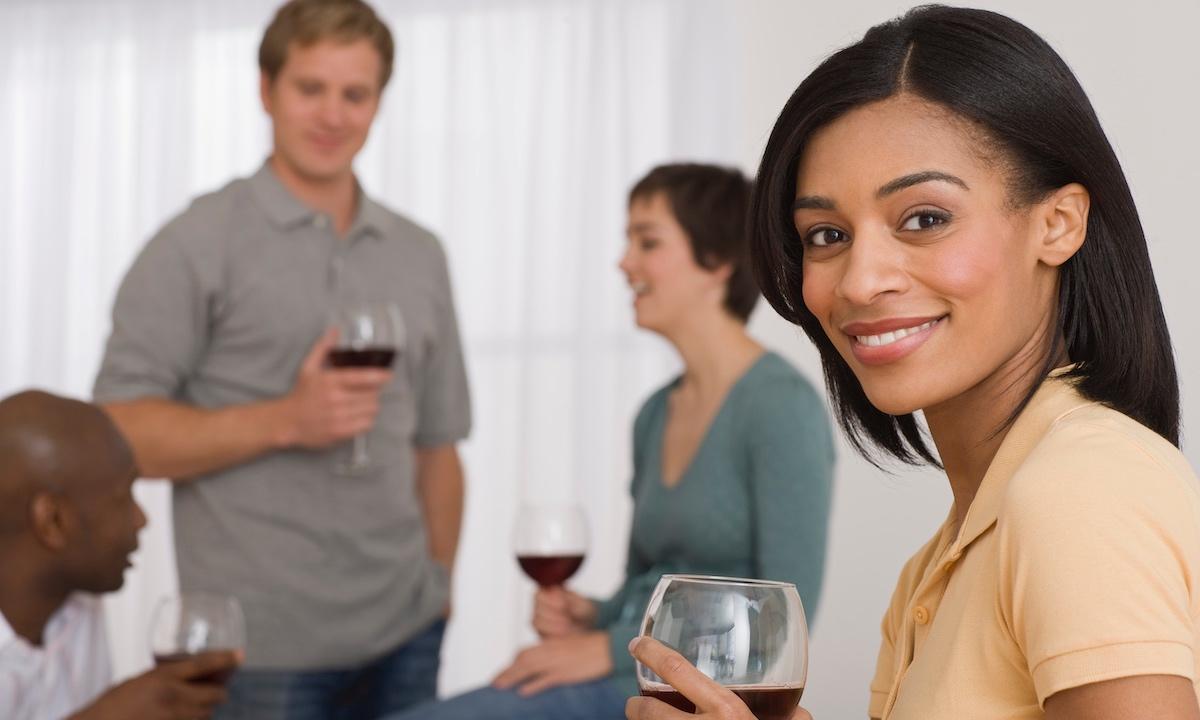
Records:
x=328, y=405
x=558, y=612
x=558, y=661
x=172, y=691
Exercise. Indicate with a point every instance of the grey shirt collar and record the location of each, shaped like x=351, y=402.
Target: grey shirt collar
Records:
x=287, y=211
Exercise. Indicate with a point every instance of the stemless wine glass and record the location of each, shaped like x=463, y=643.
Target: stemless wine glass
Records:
x=748, y=635
x=194, y=623
x=369, y=335
x=550, y=542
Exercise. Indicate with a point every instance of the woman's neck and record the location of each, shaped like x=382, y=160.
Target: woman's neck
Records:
x=969, y=428
x=716, y=351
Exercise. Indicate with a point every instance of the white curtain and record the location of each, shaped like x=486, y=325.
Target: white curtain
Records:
x=512, y=128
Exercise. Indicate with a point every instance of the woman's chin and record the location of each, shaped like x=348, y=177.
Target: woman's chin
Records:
x=647, y=322
x=893, y=400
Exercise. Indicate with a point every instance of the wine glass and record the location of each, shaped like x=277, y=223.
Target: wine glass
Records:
x=550, y=542
x=192, y=623
x=369, y=335
x=748, y=635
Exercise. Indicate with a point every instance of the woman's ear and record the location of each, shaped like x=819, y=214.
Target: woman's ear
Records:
x=1064, y=216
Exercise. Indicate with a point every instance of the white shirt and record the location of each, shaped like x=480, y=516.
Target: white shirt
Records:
x=65, y=674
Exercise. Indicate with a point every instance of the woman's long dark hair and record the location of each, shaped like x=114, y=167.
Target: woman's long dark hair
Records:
x=1009, y=83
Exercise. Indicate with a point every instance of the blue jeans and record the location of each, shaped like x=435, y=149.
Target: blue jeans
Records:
x=595, y=700
x=403, y=678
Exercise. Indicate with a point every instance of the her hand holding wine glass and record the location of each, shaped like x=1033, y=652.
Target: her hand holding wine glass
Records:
x=729, y=648
x=558, y=612
x=550, y=542
x=710, y=699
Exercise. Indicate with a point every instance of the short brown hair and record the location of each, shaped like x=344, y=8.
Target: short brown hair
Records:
x=709, y=202
x=308, y=21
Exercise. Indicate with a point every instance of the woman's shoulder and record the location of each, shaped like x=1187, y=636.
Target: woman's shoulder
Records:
x=654, y=405
x=1095, y=460
x=773, y=386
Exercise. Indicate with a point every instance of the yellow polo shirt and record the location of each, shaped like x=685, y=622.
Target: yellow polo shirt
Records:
x=1078, y=561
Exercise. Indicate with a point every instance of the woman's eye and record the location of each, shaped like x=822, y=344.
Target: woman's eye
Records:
x=923, y=221
x=823, y=237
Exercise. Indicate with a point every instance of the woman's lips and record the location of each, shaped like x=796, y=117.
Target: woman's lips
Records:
x=887, y=341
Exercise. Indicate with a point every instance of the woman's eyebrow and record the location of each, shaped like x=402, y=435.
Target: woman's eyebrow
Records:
x=819, y=202
x=813, y=202
x=917, y=178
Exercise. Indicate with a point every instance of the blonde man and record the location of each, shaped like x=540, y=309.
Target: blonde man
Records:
x=216, y=370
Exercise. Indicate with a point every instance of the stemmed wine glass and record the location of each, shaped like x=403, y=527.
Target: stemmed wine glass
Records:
x=550, y=542
x=748, y=635
x=193, y=623
x=369, y=335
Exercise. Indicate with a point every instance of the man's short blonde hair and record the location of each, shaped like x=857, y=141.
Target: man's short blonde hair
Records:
x=305, y=22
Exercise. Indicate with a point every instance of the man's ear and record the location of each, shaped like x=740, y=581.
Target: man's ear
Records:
x=264, y=91
x=51, y=520
x=1063, y=224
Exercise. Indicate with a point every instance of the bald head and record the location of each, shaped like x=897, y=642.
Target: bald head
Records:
x=51, y=443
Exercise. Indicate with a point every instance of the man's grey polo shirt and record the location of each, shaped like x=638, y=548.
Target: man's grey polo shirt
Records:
x=220, y=309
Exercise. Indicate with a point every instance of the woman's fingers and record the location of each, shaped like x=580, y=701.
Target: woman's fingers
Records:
x=644, y=708
x=681, y=675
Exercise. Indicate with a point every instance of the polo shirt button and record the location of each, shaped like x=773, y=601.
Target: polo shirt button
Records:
x=318, y=221
x=920, y=615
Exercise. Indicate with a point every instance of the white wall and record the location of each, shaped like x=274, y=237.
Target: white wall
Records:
x=1140, y=64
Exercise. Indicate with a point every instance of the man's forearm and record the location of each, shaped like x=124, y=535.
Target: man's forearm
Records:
x=442, y=488
x=177, y=441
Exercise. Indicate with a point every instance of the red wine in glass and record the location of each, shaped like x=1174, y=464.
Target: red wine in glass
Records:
x=764, y=702
x=550, y=541
x=369, y=335
x=219, y=677
x=550, y=570
x=193, y=624
x=368, y=357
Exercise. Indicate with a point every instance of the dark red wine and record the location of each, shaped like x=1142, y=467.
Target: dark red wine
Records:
x=548, y=570
x=377, y=357
x=767, y=703
x=219, y=677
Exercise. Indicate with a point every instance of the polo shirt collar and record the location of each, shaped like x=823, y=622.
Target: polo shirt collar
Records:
x=372, y=217
x=281, y=206
x=1056, y=397
x=287, y=211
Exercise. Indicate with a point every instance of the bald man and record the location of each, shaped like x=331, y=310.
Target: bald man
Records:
x=68, y=524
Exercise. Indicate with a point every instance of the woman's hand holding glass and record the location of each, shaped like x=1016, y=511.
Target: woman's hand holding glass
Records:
x=728, y=648
x=558, y=612
x=712, y=700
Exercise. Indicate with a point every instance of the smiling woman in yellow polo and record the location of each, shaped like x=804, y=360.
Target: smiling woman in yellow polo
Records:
x=940, y=211
x=1077, y=562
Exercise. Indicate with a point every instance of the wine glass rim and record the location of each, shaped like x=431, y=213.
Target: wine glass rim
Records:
x=722, y=580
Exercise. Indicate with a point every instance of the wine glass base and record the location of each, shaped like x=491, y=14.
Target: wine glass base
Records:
x=347, y=469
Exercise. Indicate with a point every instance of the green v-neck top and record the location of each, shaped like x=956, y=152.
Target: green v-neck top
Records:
x=754, y=502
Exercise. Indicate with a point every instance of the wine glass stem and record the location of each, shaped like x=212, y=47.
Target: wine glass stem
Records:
x=358, y=455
